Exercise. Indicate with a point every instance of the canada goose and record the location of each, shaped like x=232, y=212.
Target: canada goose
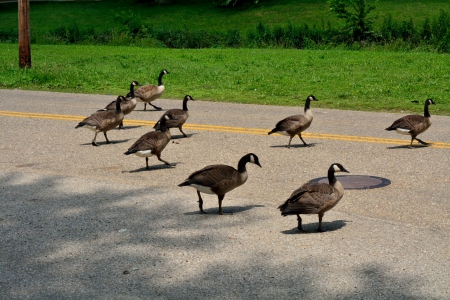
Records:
x=315, y=198
x=150, y=92
x=104, y=120
x=294, y=125
x=152, y=143
x=413, y=124
x=181, y=116
x=219, y=179
x=128, y=104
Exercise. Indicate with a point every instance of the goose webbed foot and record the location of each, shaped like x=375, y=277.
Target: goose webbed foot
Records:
x=94, y=144
x=156, y=107
x=422, y=142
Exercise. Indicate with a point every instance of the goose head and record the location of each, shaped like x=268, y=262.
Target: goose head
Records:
x=338, y=168
x=311, y=98
x=252, y=158
x=429, y=101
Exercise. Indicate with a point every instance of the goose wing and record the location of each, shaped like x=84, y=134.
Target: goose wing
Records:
x=101, y=119
x=410, y=122
x=111, y=106
x=217, y=177
x=146, y=91
x=150, y=141
x=308, y=199
x=291, y=123
x=180, y=116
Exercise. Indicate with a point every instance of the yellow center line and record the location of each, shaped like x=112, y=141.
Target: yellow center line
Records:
x=240, y=130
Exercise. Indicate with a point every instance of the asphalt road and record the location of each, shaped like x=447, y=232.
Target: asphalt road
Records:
x=84, y=222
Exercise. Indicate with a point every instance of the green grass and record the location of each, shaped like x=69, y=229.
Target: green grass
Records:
x=358, y=80
x=196, y=15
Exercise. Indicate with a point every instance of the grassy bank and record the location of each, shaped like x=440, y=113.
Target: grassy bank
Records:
x=198, y=14
x=359, y=80
x=404, y=25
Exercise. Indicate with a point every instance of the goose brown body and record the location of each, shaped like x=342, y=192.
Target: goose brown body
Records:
x=219, y=179
x=315, y=198
x=151, y=92
x=181, y=115
x=296, y=124
x=128, y=103
x=152, y=143
x=413, y=125
x=103, y=121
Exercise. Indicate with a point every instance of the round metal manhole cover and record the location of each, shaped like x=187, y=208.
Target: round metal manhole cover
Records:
x=357, y=182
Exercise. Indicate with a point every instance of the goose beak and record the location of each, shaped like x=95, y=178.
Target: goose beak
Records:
x=257, y=163
x=345, y=170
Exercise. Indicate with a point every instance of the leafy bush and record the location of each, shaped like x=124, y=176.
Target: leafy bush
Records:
x=239, y=3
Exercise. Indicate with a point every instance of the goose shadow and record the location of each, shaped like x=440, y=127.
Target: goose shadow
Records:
x=152, y=109
x=295, y=146
x=153, y=168
x=407, y=146
x=312, y=227
x=180, y=136
x=128, y=127
x=105, y=143
x=227, y=210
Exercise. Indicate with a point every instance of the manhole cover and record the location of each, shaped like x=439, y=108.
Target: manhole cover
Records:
x=357, y=182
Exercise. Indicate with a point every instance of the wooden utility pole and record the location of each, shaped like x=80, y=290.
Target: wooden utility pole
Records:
x=24, y=34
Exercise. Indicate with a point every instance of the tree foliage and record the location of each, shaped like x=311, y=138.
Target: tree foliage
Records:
x=355, y=14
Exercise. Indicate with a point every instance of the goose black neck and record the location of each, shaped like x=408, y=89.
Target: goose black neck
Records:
x=241, y=164
x=162, y=124
x=118, y=101
x=307, y=103
x=426, y=113
x=185, y=100
x=132, y=90
x=160, y=78
x=331, y=178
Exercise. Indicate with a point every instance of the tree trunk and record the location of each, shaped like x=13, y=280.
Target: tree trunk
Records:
x=24, y=34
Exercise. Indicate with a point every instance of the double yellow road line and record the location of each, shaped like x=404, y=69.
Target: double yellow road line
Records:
x=239, y=130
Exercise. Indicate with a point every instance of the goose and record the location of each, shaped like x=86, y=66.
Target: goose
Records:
x=295, y=125
x=103, y=121
x=150, y=92
x=181, y=116
x=152, y=143
x=128, y=104
x=315, y=198
x=219, y=179
x=413, y=124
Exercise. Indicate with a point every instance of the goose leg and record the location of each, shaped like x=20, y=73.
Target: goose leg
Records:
x=299, y=226
x=160, y=159
x=200, y=202
x=156, y=107
x=320, y=223
x=300, y=136
x=93, y=141
x=107, y=141
x=145, y=106
x=146, y=163
x=410, y=145
x=181, y=130
x=121, y=125
x=220, y=204
x=289, y=144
